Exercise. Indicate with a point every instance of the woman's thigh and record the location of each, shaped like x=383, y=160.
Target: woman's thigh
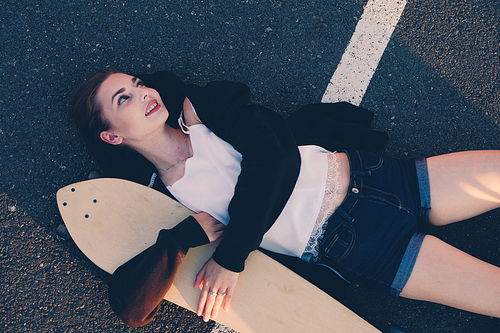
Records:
x=443, y=274
x=463, y=185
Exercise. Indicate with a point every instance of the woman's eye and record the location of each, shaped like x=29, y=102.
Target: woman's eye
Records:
x=122, y=99
x=140, y=84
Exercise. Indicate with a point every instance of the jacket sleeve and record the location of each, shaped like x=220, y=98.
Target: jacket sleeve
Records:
x=137, y=287
x=269, y=169
x=336, y=126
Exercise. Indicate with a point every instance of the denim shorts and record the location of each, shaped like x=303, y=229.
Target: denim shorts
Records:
x=374, y=237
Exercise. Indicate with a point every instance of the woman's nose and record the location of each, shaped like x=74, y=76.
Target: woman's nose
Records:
x=144, y=94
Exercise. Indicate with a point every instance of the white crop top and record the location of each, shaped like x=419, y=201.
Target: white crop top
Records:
x=211, y=175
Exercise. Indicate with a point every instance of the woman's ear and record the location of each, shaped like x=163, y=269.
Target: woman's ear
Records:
x=111, y=138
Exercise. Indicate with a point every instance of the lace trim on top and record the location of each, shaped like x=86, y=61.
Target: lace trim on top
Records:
x=331, y=200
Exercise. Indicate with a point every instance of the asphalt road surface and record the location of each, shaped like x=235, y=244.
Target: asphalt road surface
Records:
x=436, y=90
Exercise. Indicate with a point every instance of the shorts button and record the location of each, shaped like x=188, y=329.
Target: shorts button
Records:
x=355, y=190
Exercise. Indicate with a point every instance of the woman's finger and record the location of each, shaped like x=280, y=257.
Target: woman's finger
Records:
x=200, y=276
x=218, y=302
x=228, y=298
x=209, y=305
x=202, y=301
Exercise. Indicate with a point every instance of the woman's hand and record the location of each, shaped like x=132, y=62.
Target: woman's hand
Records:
x=211, y=226
x=217, y=287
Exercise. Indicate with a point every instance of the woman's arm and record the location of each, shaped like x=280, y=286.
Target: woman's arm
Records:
x=269, y=168
x=137, y=287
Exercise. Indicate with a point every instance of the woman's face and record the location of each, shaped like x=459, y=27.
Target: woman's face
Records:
x=133, y=111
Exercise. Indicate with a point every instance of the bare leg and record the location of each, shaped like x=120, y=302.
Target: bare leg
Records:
x=463, y=185
x=446, y=275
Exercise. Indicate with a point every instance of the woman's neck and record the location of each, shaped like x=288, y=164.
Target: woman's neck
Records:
x=167, y=151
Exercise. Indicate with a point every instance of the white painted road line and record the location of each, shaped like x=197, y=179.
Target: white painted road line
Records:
x=362, y=55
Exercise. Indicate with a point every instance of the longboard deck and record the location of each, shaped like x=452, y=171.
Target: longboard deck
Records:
x=112, y=220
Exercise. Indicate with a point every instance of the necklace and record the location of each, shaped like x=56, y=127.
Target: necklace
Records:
x=189, y=156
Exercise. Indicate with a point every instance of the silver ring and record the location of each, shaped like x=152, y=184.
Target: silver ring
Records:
x=222, y=294
x=211, y=293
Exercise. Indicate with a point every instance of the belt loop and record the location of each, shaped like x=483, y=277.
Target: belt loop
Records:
x=355, y=163
x=345, y=215
x=356, y=169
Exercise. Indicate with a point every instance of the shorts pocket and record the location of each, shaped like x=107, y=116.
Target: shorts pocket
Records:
x=338, y=243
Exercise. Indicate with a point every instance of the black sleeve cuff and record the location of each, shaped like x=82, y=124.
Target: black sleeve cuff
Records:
x=230, y=257
x=189, y=233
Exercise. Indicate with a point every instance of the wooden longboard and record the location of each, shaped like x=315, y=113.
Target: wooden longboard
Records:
x=112, y=220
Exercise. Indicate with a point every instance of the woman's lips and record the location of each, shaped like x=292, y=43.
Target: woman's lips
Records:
x=153, y=106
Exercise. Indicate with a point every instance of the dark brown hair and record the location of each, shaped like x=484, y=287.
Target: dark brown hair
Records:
x=85, y=110
x=115, y=161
